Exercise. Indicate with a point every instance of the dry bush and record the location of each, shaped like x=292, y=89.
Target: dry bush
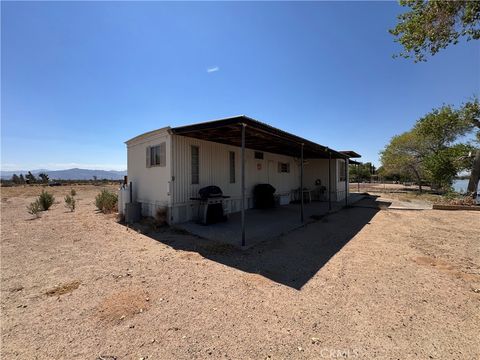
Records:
x=161, y=216
x=34, y=208
x=70, y=202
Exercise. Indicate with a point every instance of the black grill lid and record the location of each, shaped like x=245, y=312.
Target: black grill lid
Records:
x=210, y=191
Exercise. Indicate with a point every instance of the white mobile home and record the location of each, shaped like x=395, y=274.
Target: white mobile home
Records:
x=168, y=167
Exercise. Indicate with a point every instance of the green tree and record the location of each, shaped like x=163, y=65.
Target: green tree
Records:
x=361, y=172
x=431, y=150
x=440, y=130
x=30, y=178
x=44, y=177
x=21, y=179
x=15, y=179
x=404, y=156
x=471, y=111
x=430, y=26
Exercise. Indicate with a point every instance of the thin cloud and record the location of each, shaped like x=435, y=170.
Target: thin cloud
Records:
x=213, y=69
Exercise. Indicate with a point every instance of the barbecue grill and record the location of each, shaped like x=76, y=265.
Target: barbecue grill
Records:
x=210, y=209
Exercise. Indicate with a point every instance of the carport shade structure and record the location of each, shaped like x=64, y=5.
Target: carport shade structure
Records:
x=245, y=132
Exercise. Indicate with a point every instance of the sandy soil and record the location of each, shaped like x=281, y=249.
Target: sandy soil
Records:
x=361, y=283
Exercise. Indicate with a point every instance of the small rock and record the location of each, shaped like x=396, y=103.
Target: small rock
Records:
x=315, y=340
x=300, y=348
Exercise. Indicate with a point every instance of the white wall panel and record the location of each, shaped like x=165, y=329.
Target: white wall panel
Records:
x=150, y=184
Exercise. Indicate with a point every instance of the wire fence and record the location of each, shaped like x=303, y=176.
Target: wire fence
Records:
x=383, y=186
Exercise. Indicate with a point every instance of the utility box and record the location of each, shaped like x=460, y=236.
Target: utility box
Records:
x=133, y=212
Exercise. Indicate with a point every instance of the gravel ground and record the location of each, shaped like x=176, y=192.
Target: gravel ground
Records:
x=361, y=283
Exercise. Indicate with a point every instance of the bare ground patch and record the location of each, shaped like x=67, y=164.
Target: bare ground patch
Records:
x=63, y=288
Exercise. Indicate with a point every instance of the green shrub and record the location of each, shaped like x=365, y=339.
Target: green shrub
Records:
x=73, y=192
x=46, y=200
x=106, y=201
x=34, y=208
x=70, y=202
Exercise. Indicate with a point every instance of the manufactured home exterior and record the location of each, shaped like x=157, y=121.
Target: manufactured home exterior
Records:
x=167, y=169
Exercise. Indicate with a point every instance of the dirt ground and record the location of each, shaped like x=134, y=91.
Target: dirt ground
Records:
x=366, y=282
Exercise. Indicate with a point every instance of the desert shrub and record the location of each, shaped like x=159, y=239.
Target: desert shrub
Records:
x=73, y=192
x=46, y=200
x=106, y=201
x=34, y=208
x=161, y=216
x=70, y=202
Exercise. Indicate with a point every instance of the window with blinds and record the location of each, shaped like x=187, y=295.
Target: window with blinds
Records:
x=156, y=155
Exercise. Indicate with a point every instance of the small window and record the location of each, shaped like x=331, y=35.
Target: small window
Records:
x=283, y=167
x=156, y=155
x=258, y=155
x=195, y=165
x=232, y=166
x=341, y=169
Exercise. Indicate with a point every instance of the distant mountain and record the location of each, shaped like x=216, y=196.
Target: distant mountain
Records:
x=70, y=174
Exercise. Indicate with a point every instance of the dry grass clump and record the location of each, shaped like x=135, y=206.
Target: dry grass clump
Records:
x=457, y=200
x=124, y=304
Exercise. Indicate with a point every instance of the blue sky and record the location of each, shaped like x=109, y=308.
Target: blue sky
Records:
x=78, y=79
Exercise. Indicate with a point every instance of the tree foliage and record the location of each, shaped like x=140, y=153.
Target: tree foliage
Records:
x=44, y=177
x=403, y=156
x=15, y=179
x=431, y=150
x=361, y=172
x=30, y=178
x=430, y=26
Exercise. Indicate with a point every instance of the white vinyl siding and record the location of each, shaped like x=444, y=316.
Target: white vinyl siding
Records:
x=195, y=164
x=151, y=184
x=232, y=166
x=341, y=170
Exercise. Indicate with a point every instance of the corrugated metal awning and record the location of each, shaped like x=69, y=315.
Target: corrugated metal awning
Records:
x=259, y=136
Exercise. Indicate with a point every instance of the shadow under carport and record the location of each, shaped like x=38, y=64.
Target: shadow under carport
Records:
x=291, y=259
